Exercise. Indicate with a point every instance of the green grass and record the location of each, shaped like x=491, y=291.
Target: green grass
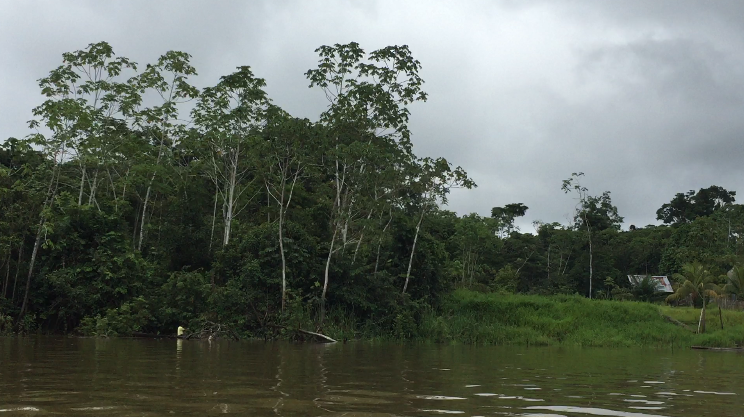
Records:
x=732, y=333
x=478, y=318
x=690, y=316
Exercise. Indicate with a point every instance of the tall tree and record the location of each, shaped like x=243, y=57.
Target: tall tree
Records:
x=432, y=182
x=230, y=117
x=600, y=213
x=167, y=80
x=287, y=151
x=686, y=207
x=506, y=216
x=474, y=236
x=368, y=95
x=79, y=94
x=573, y=185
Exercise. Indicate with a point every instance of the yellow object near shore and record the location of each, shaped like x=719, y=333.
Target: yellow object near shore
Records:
x=180, y=330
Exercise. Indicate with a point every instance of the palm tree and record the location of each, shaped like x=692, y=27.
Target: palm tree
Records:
x=696, y=281
x=646, y=289
x=735, y=282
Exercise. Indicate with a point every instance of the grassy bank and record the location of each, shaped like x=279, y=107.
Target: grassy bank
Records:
x=478, y=318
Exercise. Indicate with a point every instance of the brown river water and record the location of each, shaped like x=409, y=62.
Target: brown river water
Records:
x=128, y=377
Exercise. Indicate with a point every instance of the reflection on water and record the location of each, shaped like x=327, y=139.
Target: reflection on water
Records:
x=122, y=377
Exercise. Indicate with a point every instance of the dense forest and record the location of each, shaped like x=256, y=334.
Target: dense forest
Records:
x=141, y=203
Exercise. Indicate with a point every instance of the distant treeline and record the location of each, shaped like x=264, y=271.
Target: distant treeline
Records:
x=141, y=203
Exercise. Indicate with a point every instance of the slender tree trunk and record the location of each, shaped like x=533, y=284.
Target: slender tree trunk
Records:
x=347, y=219
x=325, y=275
x=284, y=261
x=147, y=194
x=113, y=190
x=93, y=188
x=356, y=249
x=473, y=265
x=591, y=255
x=7, y=275
x=124, y=189
x=591, y=267
x=18, y=270
x=525, y=262
x=35, y=251
x=51, y=192
x=359, y=242
x=701, y=323
x=230, y=205
x=283, y=215
x=379, y=243
x=281, y=243
x=549, y=262
x=82, y=187
x=413, y=248
x=144, y=213
x=337, y=210
x=214, y=216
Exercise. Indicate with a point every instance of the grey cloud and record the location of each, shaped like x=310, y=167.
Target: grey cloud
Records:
x=676, y=69
x=644, y=97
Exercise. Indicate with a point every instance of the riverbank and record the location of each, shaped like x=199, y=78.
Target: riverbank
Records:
x=477, y=318
x=508, y=319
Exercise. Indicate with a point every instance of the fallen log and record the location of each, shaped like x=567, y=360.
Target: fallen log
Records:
x=322, y=337
x=318, y=335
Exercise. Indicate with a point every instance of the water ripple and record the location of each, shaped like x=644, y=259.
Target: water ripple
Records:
x=592, y=411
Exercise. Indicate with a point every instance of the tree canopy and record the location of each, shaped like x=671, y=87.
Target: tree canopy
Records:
x=686, y=207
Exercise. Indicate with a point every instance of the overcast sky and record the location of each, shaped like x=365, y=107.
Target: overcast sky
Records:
x=645, y=97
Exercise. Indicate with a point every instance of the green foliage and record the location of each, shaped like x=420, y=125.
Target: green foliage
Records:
x=185, y=297
x=594, y=213
x=131, y=215
x=685, y=208
x=613, y=291
x=131, y=316
x=695, y=281
x=506, y=280
x=735, y=282
x=505, y=216
x=704, y=240
x=646, y=290
x=6, y=324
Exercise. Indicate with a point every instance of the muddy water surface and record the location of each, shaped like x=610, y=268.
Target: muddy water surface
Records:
x=126, y=377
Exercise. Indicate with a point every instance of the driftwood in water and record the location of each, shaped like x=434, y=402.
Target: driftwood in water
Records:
x=720, y=349
x=323, y=338
x=158, y=336
x=212, y=330
x=318, y=335
x=209, y=331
